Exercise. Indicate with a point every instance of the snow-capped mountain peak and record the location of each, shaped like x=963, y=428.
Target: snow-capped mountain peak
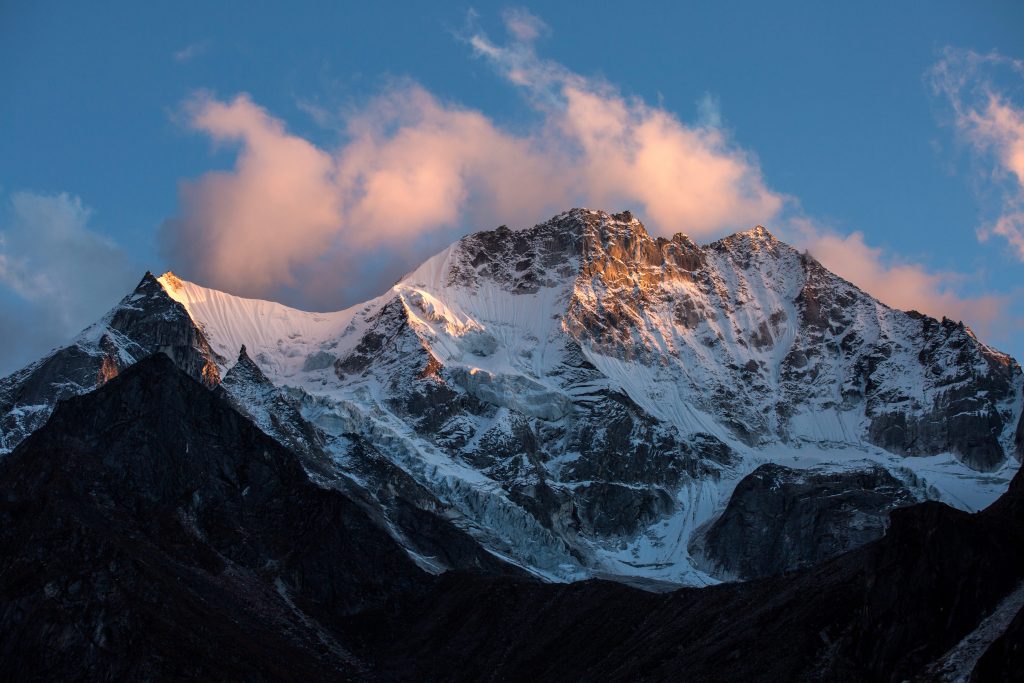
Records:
x=581, y=397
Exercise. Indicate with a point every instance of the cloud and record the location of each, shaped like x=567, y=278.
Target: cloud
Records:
x=901, y=284
x=57, y=275
x=191, y=51
x=321, y=227
x=524, y=26
x=622, y=151
x=977, y=88
x=246, y=229
x=412, y=166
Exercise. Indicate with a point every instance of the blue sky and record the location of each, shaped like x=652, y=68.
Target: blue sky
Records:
x=880, y=136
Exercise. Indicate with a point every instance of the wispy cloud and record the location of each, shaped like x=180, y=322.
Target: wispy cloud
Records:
x=524, y=26
x=624, y=151
x=57, y=274
x=979, y=89
x=191, y=51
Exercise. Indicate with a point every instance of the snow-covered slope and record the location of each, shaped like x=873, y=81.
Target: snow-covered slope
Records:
x=581, y=398
x=283, y=338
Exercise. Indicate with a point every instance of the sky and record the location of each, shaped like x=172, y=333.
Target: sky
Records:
x=313, y=153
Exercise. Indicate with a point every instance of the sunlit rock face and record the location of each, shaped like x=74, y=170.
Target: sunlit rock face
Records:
x=580, y=397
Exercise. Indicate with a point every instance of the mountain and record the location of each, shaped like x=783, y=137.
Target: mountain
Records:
x=581, y=399
x=150, y=531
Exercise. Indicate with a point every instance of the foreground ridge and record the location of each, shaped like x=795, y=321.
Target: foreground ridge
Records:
x=150, y=531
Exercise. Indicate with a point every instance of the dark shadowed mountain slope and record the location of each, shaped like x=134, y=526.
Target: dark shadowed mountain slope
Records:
x=149, y=531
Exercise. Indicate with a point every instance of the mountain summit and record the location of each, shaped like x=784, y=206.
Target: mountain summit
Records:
x=582, y=398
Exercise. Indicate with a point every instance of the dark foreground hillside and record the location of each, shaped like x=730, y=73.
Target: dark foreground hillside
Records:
x=150, y=532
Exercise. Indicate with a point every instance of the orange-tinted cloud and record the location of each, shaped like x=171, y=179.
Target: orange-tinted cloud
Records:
x=619, y=151
x=902, y=285
x=246, y=229
x=293, y=215
x=412, y=165
x=993, y=126
x=1000, y=127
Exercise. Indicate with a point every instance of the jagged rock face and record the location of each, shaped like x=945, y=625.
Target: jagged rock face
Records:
x=252, y=394
x=155, y=322
x=780, y=519
x=145, y=322
x=523, y=261
x=925, y=386
x=748, y=323
x=164, y=536
x=575, y=454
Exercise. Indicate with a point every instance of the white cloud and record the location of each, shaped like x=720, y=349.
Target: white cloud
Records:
x=191, y=51
x=57, y=275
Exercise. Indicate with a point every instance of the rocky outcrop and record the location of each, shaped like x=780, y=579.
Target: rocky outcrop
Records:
x=780, y=519
x=925, y=386
x=146, y=321
x=962, y=417
x=249, y=391
x=150, y=319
